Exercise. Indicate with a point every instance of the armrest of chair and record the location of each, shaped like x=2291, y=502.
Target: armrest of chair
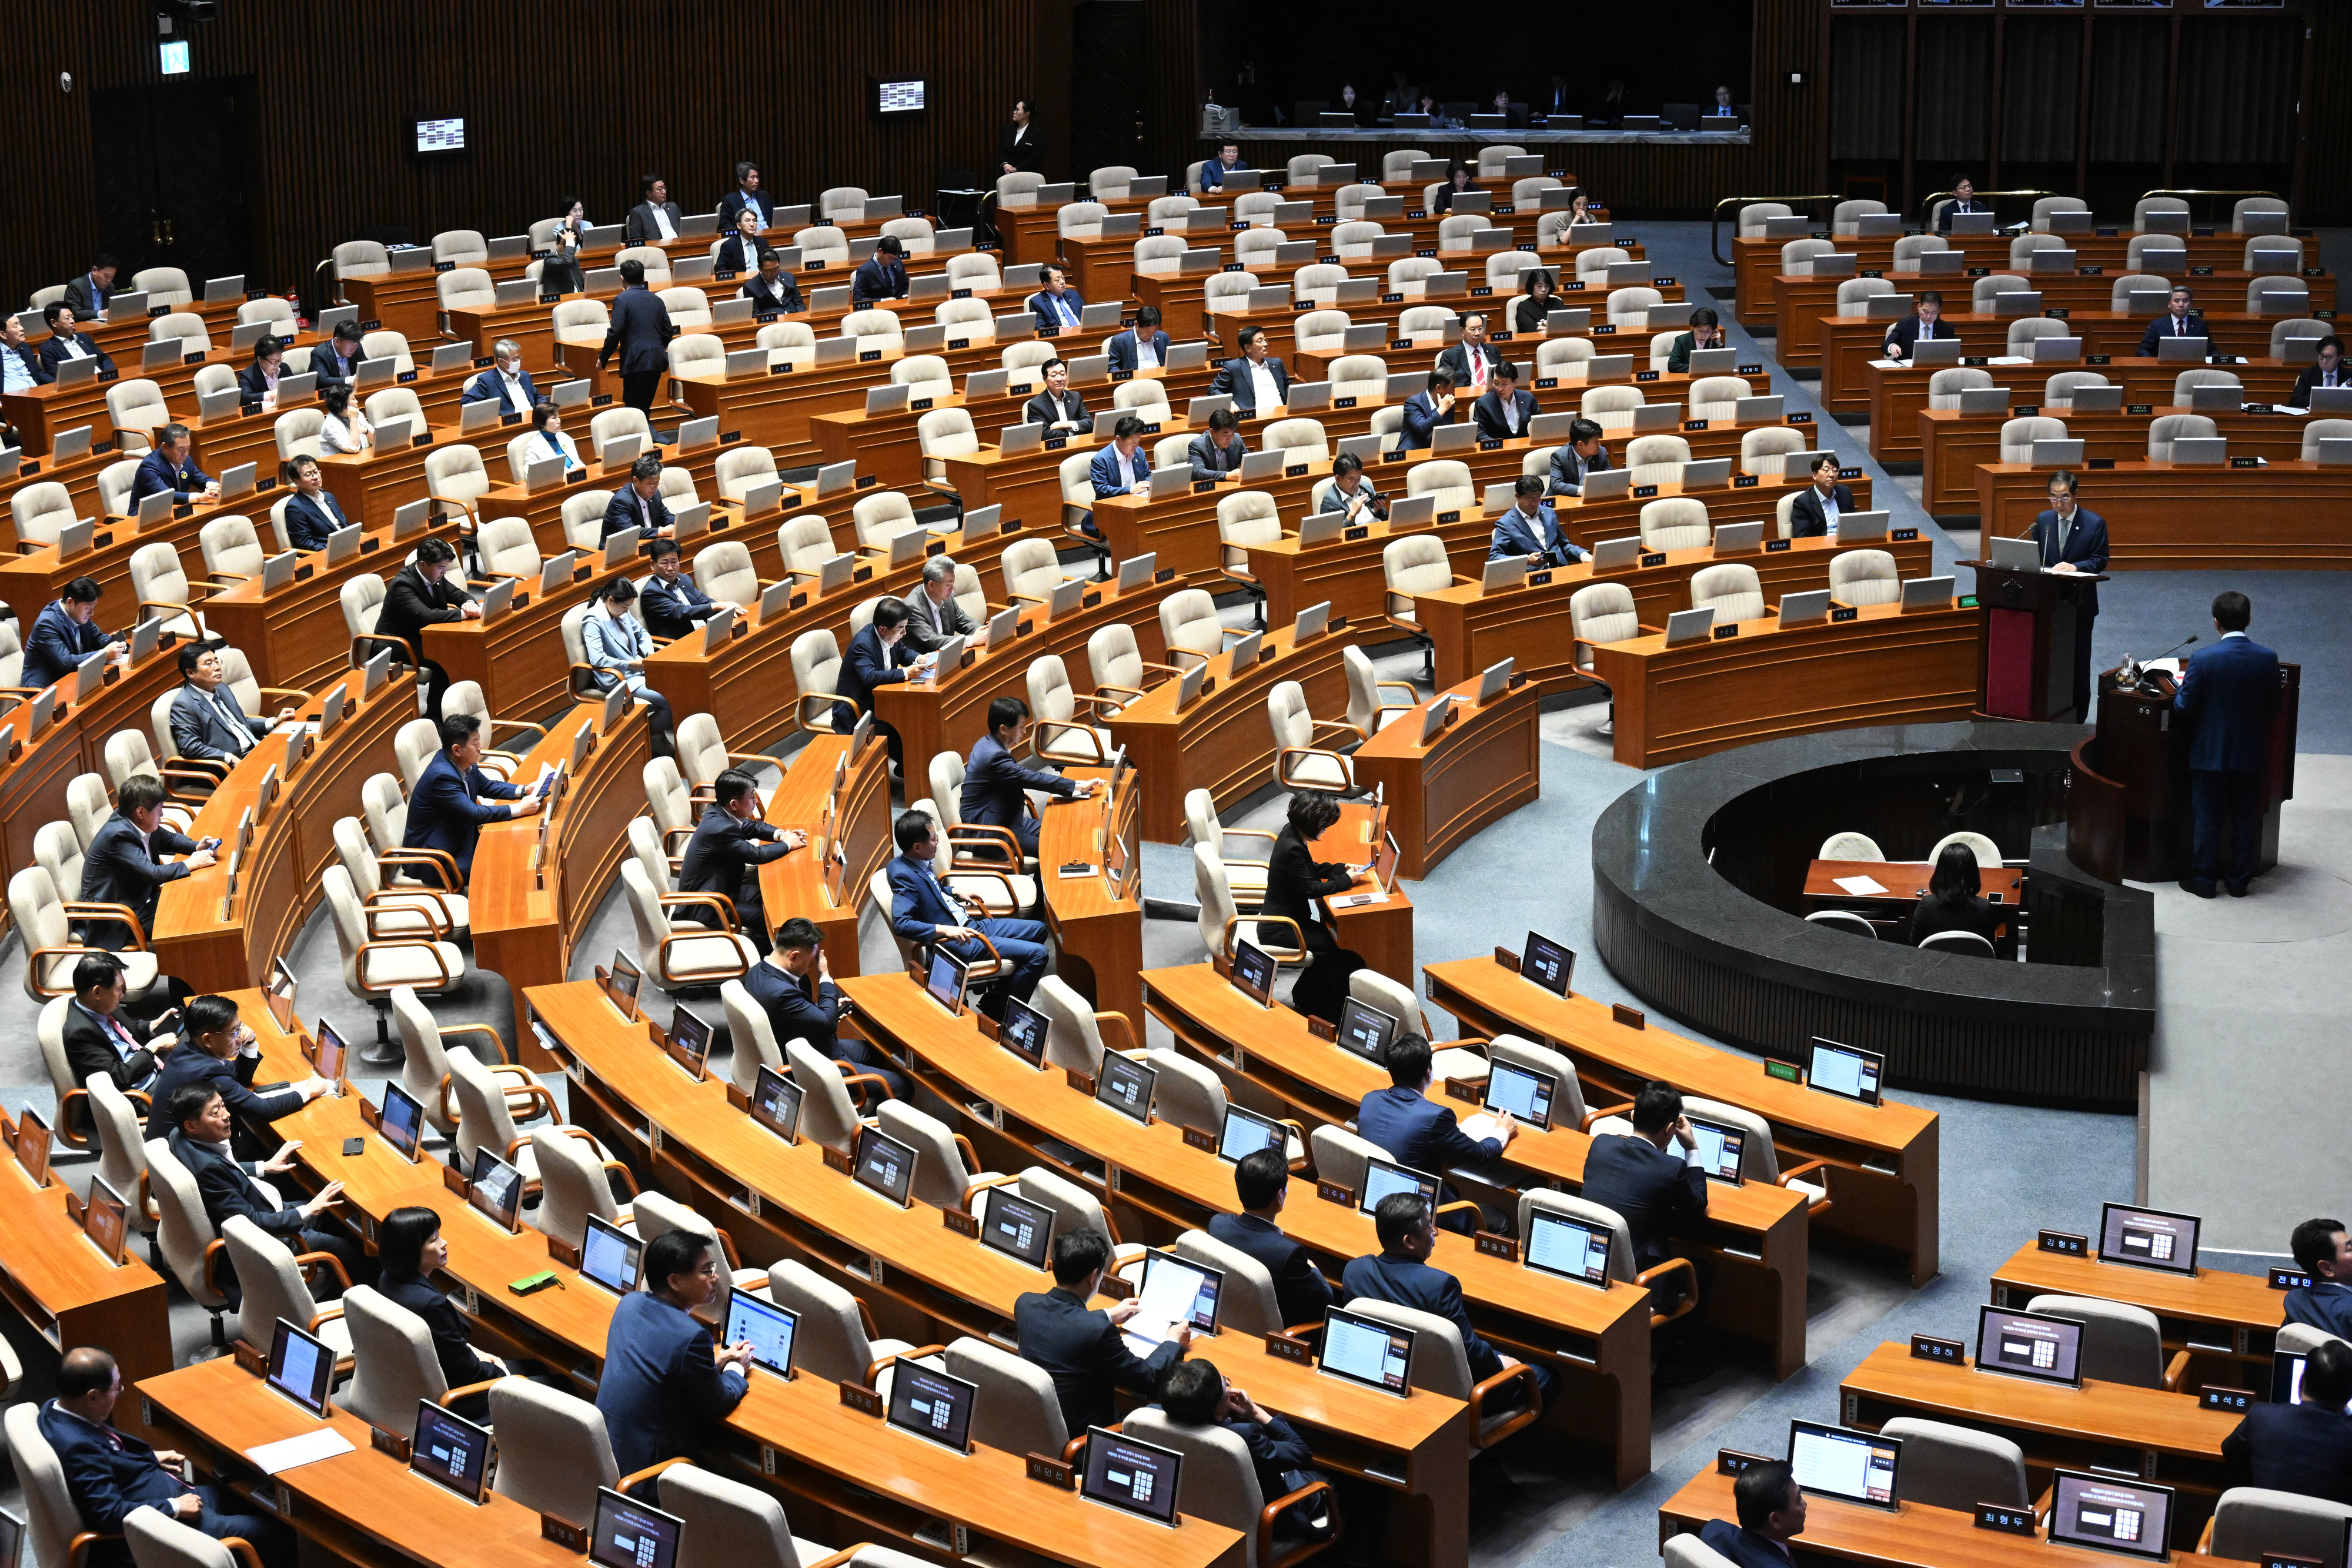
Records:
x=1274, y=1511
x=440, y=861
x=1282, y=765
x=1690, y=1297
x=2205, y=1539
x=505, y=1057
x=648, y=1473
x=875, y=1370
x=1253, y=834
x=1298, y=938
x=1120, y=1024
x=287, y=694
x=977, y=835
x=1602, y=1112
x=436, y=918
x=64, y=1129
x=473, y=516
x=334, y=1265
x=466, y=1391
x=214, y=1251
x=1048, y=727
x=981, y=874
x=401, y=652
x=1462, y=1206
x=711, y=901
x=852, y=1079
x=191, y=771
x=227, y=579
x=1186, y=653
x=79, y=909
x=1336, y=726
x=1077, y=1446
x=2175, y=1371
x=841, y=1559
x=823, y=721
x=1485, y=1392
x=361, y=958
x=1793, y=1171
x=732, y=971
x=628, y=1177
x=245, y=1554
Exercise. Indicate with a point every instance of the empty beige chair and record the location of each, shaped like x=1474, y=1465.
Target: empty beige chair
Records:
x=1245, y=878
x=158, y=1540
x=1629, y=307
x=1846, y=217
x=1849, y=846
x=1323, y=332
x=1598, y=614
x=1407, y=275
x=162, y=588
x=2254, y=1521
x=1065, y=728
x=823, y=242
x=947, y=1170
x=2022, y=248
x=2202, y=376
x=680, y=957
x=1354, y=242
x=1080, y=220
x=1764, y=450
x=1359, y=376
x=1414, y=564
x=231, y=548
x=688, y=307
x=1447, y=482
x=2166, y=255
x=2119, y=294
x=2274, y=253
x=2146, y=204
x=1017, y=1410
x=361, y=258
x=1985, y=289
x=2121, y=1344
x=968, y=322
x=697, y=354
x=1611, y=408
x=1427, y=324
x=2166, y=428
x=40, y=511
x=1865, y=577
x=581, y=323
x=1159, y=257
x=1945, y=1466
x=1754, y=215
x=2021, y=333
x=114, y=482
x=394, y=1366
x=269, y=1278
x=730, y=1525
x=874, y=329
x=297, y=431
x=2058, y=392
x=396, y=403
x=184, y=327
x=1228, y=291
x=1621, y=1247
x=1657, y=459
x=2018, y=435
x=943, y=433
x=555, y=1452
x=1315, y=284
x=838, y=201
x=136, y=407
x=464, y=246
x=572, y=1181
x=975, y=270
x=454, y=477
x=2252, y=204
x=834, y=1340
x=1190, y=628
x=1298, y=171
x=2276, y=296
x=1030, y=570
x=466, y=289
x=1300, y=763
x=724, y=572
x=739, y=468
x=1853, y=292
x=788, y=343
x=1732, y=590
x=1220, y=920
x=1149, y=399
x=1797, y=256
x=1909, y=248
x=1301, y=440
x=2315, y=430
x=1675, y=522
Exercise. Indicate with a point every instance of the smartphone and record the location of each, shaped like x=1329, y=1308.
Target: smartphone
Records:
x=352, y=1147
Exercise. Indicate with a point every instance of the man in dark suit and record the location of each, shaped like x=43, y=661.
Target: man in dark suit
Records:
x=2326, y=370
x=1081, y=1348
x=1529, y=528
x=200, y=1140
x=1256, y=381
x=447, y=810
x=924, y=913
x=878, y=656
x=1399, y=1274
x=1427, y=409
x=773, y=292
x=216, y=1049
x=1417, y=1130
x=207, y=723
x=640, y=330
x=793, y=985
x=1818, y=507
x=1056, y=305
x=1502, y=414
x=89, y=293
x=172, y=467
x=1195, y=1395
x=1058, y=408
x=2075, y=539
x=1653, y=1189
x=101, y=1036
x=932, y=613
x=2180, y=319
x=505, y=381
x=667, y=1386
x=1213, y=172
x=419, y=595
x=1964, y=200
x=996, y=786
x=671, y=601
x=727, y=848
x=639, y=502
x=747, y=194
x=882, y=276
x=122, y=864
x=109, y=1473
x=312, y=511
x=1262, y=1182
x=1218, y=450
x=64, y=634
x=337, y=360
x=1122, y=469
x=2229, y=691
x=1704, y=334
x=1470, y=360
x=2322, y=1251
x=2305, y=1448
x=66, y=341
x=256, y=384
x=1351, y=493
x=1772, y=1508
x=1580, y=455
x=655, y=217
x=1925, y=321
x=1141, y=347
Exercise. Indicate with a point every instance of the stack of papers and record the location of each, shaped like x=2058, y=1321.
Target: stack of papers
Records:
x=1859, y=886
x=308, y=1449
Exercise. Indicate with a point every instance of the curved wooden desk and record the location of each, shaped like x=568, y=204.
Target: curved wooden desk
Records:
x=295, y=635
x=60, y=1283
x=1850, y=344
x=1100, y=933
x=2287, y=516
x=1950, y=445
x=78, y=475
x=33, y=578
x=797, y=884
x=2228, y=1323
x=1483, y=766
x=1898, y=394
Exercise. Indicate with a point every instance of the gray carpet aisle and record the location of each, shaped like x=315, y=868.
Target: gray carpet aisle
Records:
x=2006, y=1169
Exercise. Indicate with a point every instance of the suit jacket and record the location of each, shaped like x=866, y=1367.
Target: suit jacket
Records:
x=640, y=330
x=720, y=854
x=1944, y=217
x=201, y=730
x=156, y=472
x=30, y=357
x=120, y=869
x=1295, y=879
x=1045, y=409
x=2085, y=546
x=1123, y=356
x=1022, y=153
x=228, y=1189
x=873, y=281
x=92, y=1048
x=797, y=1008
x=411, y=604
x=1233, y=379
x=1489, y=413
x=1806, y=520
x=309, y=521
x=1301, y=1293
x=1516, y=535
x=443, y=812
x=1905, y=335
x=642, y=229
x=1401, y=1281
x=331, y=368
x=1456, y=363
x=662, y=1395
x=233, y=1079
x=1932, y=914
x=1652, y=1190
x=453, y=1345
x=108, y=1473
x=2191, y=326
x=1744, y=1547
x=57, y=646
x=1568, y=469
x=929, y=625
x=918, y=903
x=490, y=384
x=1336, y=500
x=1678, y=358
x=2325, y=1304
x=996, y=786
x=1417, y=1130
x=2304, y=1449
x=53, y=353
x=1420, y=418
x=1043, y=305
x=671, y=609
x=2229, y=691
x=1112, y=474
x=730, y=211
x=1085, y=1354
x=783, y=297
x=252, y=386
x=1213, y=172
x=870, y=664
x=1529, y=314
x=84, y=298
x=622, y=511
x=1211, y=460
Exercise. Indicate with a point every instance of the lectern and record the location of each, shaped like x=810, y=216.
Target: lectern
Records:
x=2035, y=632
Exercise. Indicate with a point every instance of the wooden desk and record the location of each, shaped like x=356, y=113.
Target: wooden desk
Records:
x=1034, y=232
x=519, y=659
x=1099, y=933
x=2228, y=1323
x=1952, y=444
x=1755, y=1235
x=1379, y=932
x=2289, y=516
x=295, y=637
x=32, y=579
x=1483, y=765
x=1849, y=344
x=371, y=485
x=775, y=409
x=1881, y=1160
x=1884, y=667
x=1905, y=882
x=1898, y=393
x=796, y=884
x=59, y=1283
x=43, y=413
x=78, y=475
x=218, y=948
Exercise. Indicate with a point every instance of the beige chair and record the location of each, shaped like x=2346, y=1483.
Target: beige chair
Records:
x=1717, y=397
x=1300, y=763
x=823, y=242
x=680, y=957
x=2252, y=204
x=1657, y=459
x=1732, y=589
x=555, y=1452
x=1674, y=522
x=1629, y=308
x=2022, y=333
x=1945, y=1466
x=2119, y=294
x=835, y=1340
x=1985, y=289
x=2121, y=1344
x=2166, y=428
x=2058, y=392
x=1218, y=1482
x=1849, y=846
x=1412, y=565
x=2274, y=296
x=1752, y=218
x=1621, y=1246
x=1220, y=920
x=1909, y=248
x=163, y=589
x=573, y=1185
x=2146, y=204
x=1065, y=729
x=1611, y=408
x=1017, y=1410
x=1987, y=852
x=2018, y=435
x=2315, y=430
x=2254, y=1521
x=394, y=1365
x=1865, y=577
x=1190, y=628
x=1846, y=217
x=270, y=1279
x=1766, y=450
x=2165, y=254
x=1598, y=614
x=1500, y=1405
x=730, y=1525
x=1797, y=256
x=2022, y=248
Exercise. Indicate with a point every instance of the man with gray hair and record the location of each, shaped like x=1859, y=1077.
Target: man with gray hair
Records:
x=933, y=615
x=639, y=502
x=506, y=381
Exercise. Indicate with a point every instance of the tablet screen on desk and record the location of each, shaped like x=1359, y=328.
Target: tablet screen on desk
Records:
x=1843, y=1070
x=628, y=1534
x=932, y=1405
x=404, y=1119
x=11, y=1540
x=1719, y=1146
x=1253, y=973
x=1366, y=1031
x=944, y=979
x=33, y=1146
x=1245, y=1132
x=2148, y=1237
x=1125, y=1085
x=776, y=1104
x=300, y=1368
x=1024, y=1031
x=2110, y=1515
x=496, y=1189
x=2029, y=1344
x=104, y=1215
x=610, y=1256
x=1141, y=1478
x=1382, y=1177
x=1016, y=1227
x=1857, y=1467
x=769, y=1328
x=884, y=1164
x=1367, y=1351
x=280, y=992
x=1547, y=963
x=1523, y=1092
x=330, y=1053
x=1570, y=1248
x=622, y=987
x=689, y=1042
x=450, y=1449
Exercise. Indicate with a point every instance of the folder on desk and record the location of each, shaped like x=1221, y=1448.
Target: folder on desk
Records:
x=1014, y=439
x=2057, y=348
x=495, y=598
x=1689, y=626
x=482, y=414
x=1853, y=526
x=1610, y=484
x=717, y=631
x=689, y=522
x=1937, y=351
x=762, y=498
x=279, y=570
x=218, y=405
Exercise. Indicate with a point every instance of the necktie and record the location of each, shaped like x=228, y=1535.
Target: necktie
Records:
x=1478, y=365
x=242, y=737
x=2178, y=323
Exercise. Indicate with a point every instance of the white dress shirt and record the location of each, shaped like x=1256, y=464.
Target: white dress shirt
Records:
x=347, y=435
x=14, y=375
x=661, y=221
x=1146, y=358
x=1829, y=506
x=73, y=348
x=1267, y=394
x=1478, y=360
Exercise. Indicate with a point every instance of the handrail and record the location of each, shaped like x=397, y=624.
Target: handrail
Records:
x=1715, y=224
x=1927, y=208
x=2234, y=195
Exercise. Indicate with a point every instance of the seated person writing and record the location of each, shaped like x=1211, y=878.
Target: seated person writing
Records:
x=668, y=1385
x=1351, y=493
x=1925, y=321
x=201, y=1131
x=1420, y=1132
x=1080, y=1346
x=1399, y=1274
x=1529, y=528
x=793, y=985
x=1142, y=346
x=64, y=634
x=923, y=911
x=932, y=613
x=728, y=846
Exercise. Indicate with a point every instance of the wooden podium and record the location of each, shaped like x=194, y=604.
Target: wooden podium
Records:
x=2034, y=634
x=2128, y=814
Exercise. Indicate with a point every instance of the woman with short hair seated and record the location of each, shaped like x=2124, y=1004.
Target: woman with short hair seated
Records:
x=410, y=1249
x=1952, y=902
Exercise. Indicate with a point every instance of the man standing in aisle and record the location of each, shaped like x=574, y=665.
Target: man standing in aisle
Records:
x=2229, y=691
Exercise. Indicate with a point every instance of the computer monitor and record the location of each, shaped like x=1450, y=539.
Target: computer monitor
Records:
x=1570, y=1248
x=932, y=1405
x=2110, y=1515
x=1177, y=1293
x=944, y=979
x=768, y=1327
x=884, y=1164
x=496, y=1189
x=1135, y=1477
x=2030, y=1344
x=302, y=1367
x=1125, y=1084
x=622, y=987
x=280, y=988
x=1832, y=1461
x=1253, y=973
x=1382, y=1177
x=1015, y=1227
x=450, y=1450
x=1522, y=1091
x=1024, y=1031
x=776, y=1104
x=404, y=1119
x=611, y=1256
x=1844, y=1070
x=1547, y=963
x=1720, y=1146
x=689, y=1042
x=629, y=1534
x=105, y=1219
x=1368, y=1351
x=1245, y=1132
x=32, y=1146
x=2148, y=1237
x=1366, y=1031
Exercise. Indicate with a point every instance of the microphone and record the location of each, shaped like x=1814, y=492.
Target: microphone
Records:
x=2177, y=646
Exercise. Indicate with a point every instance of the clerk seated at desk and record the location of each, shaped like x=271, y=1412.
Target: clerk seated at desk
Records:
x=1580, y=455
x=201, y=1129
x=2180, y=319
x=667, y=1386
x=207, y=725
x=64, y=634
x=1529, y=528
x=1058, y=408
x=1120, y=469
x=1953, y=903
x=672, y=602
x=505, y=381
x=878, y=656
x=1417, y=1130
x=1142, y=346
x=793, y=985
x=932, y=613
x=336, y=361
x=2326, y=370
x=924, y=913
x=1772, y=1508
x=1217, y=450
x=1704, y=334
x=1400, y=1273
x=454, y=797
x=102, y=1037
x=1080, y=1347
x=1502, y=414
x=123, y=865
x=773, y=292
x=1351, y=493
x=218, y=1051
x=109, y=1473
x=1653, y=1188
x=1925, y=321
x=256, y=384
x=639, y=502
x=411, y=1249
x=1262, y=1183
x=312, y=511
x=66, y=343
x=1256, y=381
x=547, y=423
x=1816, y=509
x=723, y=856
x=617, y=645
x=2321, y=1248
x=882, y=276
x=996, y=786
x=170, y=467
x=1427, y=409
x=1055, y=305
x=2305, y=1448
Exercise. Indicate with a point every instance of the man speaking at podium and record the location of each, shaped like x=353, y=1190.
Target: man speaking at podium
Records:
x=2075, y=539
x=2228, y=691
